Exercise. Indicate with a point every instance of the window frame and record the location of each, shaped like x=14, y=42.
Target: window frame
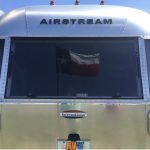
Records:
x=147, y=58
x=1, y=58
x=143, y=75
x=3, y=68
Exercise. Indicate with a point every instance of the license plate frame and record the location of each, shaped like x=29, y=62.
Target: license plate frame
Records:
x=73, y=145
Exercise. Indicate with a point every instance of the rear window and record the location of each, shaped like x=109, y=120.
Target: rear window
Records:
x=104, y=68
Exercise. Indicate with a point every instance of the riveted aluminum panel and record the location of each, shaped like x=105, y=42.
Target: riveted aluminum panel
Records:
x=40, y=125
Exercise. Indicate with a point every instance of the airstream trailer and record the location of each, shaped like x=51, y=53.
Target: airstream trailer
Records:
x=75, y=77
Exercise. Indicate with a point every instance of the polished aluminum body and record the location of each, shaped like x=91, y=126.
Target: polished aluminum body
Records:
x=36, y=123
x=28, y=19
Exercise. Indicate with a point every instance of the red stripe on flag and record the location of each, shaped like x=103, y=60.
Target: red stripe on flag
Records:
x=85, y=69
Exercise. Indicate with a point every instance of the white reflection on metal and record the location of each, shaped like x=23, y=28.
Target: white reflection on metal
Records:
x=1, y=12
x=9, y=16
x=141, y=20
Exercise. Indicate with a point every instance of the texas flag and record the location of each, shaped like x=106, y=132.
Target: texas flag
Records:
x=73, y=63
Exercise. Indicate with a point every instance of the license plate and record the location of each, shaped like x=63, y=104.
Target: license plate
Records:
x=71, y=145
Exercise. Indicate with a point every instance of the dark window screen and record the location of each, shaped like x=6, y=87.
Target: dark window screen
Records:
x=74, y=68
